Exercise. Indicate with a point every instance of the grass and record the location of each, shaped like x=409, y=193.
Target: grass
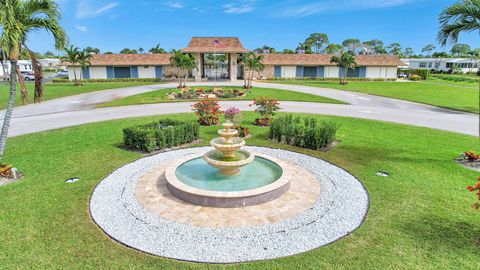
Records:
x=468, y=80
x=419, y=218
x=160, y=96
x=58, y=90
x=455, y=97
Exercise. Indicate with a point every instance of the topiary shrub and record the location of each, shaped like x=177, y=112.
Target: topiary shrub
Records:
x=414, y=78
x=306, y=132
x=423, y=73
x=159, y=135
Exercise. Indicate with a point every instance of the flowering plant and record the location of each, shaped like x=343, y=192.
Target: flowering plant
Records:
x=476, y=205
x=231, y=112
x=471, y=156
x=207, y=111
x=266, y=107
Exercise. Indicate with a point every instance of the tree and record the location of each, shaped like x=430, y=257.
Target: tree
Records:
x=345, y=61
x=17, y=20
x=128, y=51
x=428, y=49
x=71, y=56
x=3, y=59
x=464, y=16
x=460, y=49
x=317, y=41
x=183, y=63
x=333, y=48
x=141, y=50
x=50, y=54
x=352, y=45
x=288, y=51
x=156, y=50
x=92, y=50
x=395, y=49
x=374, y=46
x=84, y=59
x=304, y=48
x=253, y=63
x=108, y=53
x=408, y=52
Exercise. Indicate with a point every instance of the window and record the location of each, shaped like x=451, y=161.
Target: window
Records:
x=122, y=72
x=430, y=64
x=423, y=64
x=449, y=65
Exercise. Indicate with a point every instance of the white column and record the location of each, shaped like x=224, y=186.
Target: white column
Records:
x=198, y=73
x=233, y=66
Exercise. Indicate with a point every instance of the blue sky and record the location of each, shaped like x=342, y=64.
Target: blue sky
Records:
x=113, y=24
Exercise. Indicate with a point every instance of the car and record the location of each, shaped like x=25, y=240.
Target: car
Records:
x=28, y=75
x=62, y=74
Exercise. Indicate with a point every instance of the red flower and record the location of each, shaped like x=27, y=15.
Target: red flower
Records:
x=478, y=185
x=478, y=178
x=470, y=188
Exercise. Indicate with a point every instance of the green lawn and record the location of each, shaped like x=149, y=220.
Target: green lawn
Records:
x=456, y=97
x=455, y=79
x=160, y=96
x=57, y=90
x=419, y=218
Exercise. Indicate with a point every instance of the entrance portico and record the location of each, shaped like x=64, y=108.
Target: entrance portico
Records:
x=231, y=47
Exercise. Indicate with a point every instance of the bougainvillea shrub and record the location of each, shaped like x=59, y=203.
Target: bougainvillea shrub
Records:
x=267, y=108
x=476, y=189
x=207, y=111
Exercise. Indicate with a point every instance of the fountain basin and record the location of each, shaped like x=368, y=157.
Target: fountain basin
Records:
x=193, y=180
x=228, y=148
x=228, y=163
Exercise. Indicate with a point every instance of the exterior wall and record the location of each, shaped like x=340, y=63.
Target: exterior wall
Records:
x=443, y=64
x=268, y=72
x=288, y=71
x=331, y=72
x=146, y=71
x=78, y=71
x=381, y=73
x=97, y=72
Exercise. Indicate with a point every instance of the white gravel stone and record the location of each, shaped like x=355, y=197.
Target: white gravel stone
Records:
x=340, y=209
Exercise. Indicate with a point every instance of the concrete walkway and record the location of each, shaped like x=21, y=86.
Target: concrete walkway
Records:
x=80, y=109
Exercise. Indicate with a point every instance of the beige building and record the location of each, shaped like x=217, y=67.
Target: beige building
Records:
x=219, y=58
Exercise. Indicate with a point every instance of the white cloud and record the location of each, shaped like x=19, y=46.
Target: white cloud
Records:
x=303, y=10
x=82, y=28
x=176, y=5
x=244, y=7
x=86, y=10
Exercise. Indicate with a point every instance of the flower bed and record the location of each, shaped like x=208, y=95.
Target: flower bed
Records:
x=160, y=135
x=200, y=93
x=306, y=132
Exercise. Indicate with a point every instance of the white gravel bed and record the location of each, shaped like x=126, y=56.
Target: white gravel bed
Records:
x=340, y=209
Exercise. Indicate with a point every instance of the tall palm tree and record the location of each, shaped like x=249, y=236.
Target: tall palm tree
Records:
x=345, y=61
x=183, y=63
x=253, y=63
x=464, y=16
x=71, y=56
x=84, y=59
x=17, y=20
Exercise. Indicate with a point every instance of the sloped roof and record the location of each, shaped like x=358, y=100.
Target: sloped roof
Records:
x=324, y=60
x=206, y=45
x=128, y=59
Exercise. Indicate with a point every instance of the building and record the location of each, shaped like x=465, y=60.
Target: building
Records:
x=24, y=65
x=51, y=63
x=443, y=64
x=220, y=58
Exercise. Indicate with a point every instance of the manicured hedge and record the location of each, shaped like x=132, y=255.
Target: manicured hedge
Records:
x=306, y=132
x=60, y=80
x=423, y=73
x=160, y=135
x=335, y=79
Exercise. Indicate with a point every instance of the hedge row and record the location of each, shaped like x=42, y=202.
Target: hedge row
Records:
x=60, y=80
x=160, y=135
x=335, y=79
x=456, y=78
x=423, y=73
x=306, y=132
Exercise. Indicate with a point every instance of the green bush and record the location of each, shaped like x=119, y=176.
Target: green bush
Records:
x=305, y=132
x=322, y=79
x=414, y=78
x=160, y=135
x=61, y=80
x=423, y=73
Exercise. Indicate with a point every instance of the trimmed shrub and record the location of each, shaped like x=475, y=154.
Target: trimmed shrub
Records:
x=414, y=78
x=306, y=132
x=60, y=80
x=322, y=79
x=160, y=135
x=423, y=73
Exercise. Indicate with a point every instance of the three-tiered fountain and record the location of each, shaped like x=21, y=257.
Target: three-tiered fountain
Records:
x=228, y=176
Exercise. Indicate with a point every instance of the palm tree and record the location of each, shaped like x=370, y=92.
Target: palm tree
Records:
x=83, y=59
x=157, y=49
x=183, y=63
x=345, y=61
x=253, y=63
x=464, y=16
x=17, y=20
x=428, y=49
x=71, y=56
x=2, y=62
